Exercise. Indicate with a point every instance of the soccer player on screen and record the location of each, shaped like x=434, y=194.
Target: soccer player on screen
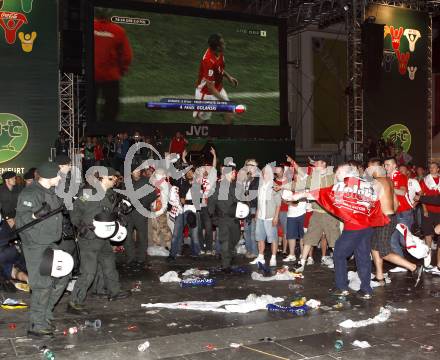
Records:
x=209, y=85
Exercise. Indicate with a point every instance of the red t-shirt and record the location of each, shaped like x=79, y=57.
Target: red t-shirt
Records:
x=431, y=192
x=400, y=180
x=177, y=145
x=212, y=69
x=113, y=52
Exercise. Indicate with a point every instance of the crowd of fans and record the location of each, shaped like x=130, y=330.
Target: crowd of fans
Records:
x=185, y=208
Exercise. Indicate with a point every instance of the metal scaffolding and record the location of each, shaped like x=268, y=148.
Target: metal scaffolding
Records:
x=72, y=110
x=355, y=103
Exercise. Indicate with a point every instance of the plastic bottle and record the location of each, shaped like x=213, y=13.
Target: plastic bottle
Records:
x=339, y=344
x=137, y=287
x=48, y=354
x=144, y=346
x=72, y=330
x=197, y=283
x=96, y=324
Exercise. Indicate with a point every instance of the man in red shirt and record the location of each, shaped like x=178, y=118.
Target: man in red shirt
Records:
x=178, y=144
x=209, y=84
x=113, y=57
x=404, y=213
x=430, y=186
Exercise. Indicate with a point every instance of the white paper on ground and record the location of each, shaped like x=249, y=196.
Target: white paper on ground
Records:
x=384, y=315
x=361, y=344
x=155, y=250
x=251, y=303
x=355, y=282
x=393, y=309
x=280, y=276
x=195, y=273
x=314, y=304
x=170, y=276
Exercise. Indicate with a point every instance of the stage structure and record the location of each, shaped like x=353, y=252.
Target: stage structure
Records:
x=323, y=13
x=72, y=111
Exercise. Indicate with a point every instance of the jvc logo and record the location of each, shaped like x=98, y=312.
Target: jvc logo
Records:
x=197, y=130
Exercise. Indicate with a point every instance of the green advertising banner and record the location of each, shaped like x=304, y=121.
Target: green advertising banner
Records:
x=29, y=82
x=396, y=110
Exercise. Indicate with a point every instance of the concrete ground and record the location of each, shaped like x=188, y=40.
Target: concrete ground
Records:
x=193, y=335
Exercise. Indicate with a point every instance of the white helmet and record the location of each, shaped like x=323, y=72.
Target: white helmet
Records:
x=56, y=263
x=414, y=245
x=120, y=233
x=105, y=225
x=242, y=210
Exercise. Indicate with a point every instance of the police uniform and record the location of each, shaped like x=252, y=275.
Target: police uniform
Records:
x=139, y=222
x=93, y=250
x=46, y=291
x=67, y=242
x=228, y=227
x=8, y=198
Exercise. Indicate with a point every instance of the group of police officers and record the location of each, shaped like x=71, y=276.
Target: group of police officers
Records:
x=50, y=227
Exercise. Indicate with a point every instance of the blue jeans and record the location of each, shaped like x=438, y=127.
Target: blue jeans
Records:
x=283, y=222
x=249, y=237
x=176, y=242
x=359, y=243
x=397, y=241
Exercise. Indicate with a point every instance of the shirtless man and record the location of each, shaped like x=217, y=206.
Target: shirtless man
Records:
x=381, y=242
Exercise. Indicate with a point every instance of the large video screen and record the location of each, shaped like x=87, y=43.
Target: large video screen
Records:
x=166, y=68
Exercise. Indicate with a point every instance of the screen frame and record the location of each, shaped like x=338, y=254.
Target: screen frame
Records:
x=245, y=131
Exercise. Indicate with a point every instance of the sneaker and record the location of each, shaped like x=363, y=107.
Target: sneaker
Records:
x=289, y=258
x=208, y=252
x=273, y=261
x=310, y=261
x=300, y=267
x=429, y=268
x=417, y=275
x=327, y=261
x=435, y=271
x=258, y=259
x=363, y=295
x=202, y=252
x=397, y=269
x=340, y=292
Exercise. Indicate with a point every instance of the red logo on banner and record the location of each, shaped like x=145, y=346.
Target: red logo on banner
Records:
x=11, y=22
x=396, y=35
x=403, y=59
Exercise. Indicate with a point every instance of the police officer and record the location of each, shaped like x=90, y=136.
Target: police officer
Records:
x=222, y=205
x=93, y=249
x=67, y=242
x=36, y=201
x=9, y=192
x=136, y=257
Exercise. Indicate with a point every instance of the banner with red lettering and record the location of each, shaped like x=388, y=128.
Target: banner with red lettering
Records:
x=354, y=201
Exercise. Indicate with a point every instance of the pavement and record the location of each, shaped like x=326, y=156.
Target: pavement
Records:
x=193, y=335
